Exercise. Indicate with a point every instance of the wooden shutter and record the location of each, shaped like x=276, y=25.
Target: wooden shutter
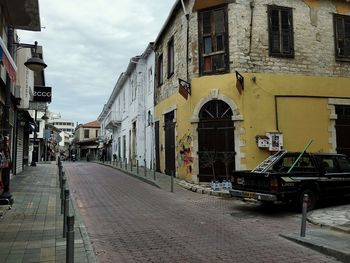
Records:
x=339, y=35
x=274, y=32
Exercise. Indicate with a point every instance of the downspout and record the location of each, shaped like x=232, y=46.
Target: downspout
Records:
x=187, y=38
x=252, y=5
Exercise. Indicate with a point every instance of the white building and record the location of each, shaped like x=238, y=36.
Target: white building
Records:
x=127, y=118
x=66, y=127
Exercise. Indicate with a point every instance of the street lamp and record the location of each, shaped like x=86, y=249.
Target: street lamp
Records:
x=35, y=63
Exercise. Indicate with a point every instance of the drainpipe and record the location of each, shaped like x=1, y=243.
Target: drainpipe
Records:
x=252, y=5
x=187, y=37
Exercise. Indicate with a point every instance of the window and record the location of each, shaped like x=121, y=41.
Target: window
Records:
x=171, y=57
x=149, y=118
x=344, y=164
x=86, y=133
x=150, y=84
x=213, y=47
x=281, y=42
x=160, y=70
x=96, y=133
x=342, y=37
x=133, y=90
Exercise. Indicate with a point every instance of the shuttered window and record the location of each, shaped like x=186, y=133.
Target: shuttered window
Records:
x=281, y=42
x=213, y=46
x=160, y=70
x=342, y=37
x=171, y=57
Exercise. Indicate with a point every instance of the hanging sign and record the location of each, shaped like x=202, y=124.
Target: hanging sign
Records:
x=239, y=82
x=42, y=94
x=184, y=88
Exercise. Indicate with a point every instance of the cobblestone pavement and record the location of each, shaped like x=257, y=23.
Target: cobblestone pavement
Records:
x=130, y=221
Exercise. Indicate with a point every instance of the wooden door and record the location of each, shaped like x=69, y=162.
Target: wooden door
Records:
x=342, y=126
x=169, y=132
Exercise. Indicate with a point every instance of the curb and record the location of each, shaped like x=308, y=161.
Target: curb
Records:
x=203, y=190
x=131, y=174
x=345, y=230
x=339, y=255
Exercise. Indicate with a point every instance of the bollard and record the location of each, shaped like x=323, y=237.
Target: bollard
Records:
x=60, y=175
x=154, y=171
x=172, y=181
x=144, y=163
x=303, y=218
x=62, y=194
x=126, y=164
x=121, y=163
x=137, y=167
x=66, y=211
x=63, y=175
x=130, y=165
x=70, y=240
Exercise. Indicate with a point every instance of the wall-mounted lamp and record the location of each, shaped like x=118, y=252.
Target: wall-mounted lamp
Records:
x=35, y=63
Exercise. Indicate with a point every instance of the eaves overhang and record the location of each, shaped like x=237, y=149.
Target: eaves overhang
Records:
x=22, y=14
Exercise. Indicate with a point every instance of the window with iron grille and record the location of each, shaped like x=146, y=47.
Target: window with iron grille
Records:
x=160, y=70
x=281, y=40
x=213, y=37
x=171, y=57
x=342, y=37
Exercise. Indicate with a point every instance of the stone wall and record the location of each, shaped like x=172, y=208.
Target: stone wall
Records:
x=313, y=41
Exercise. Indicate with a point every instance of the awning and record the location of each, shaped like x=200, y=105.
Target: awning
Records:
x=7, y=61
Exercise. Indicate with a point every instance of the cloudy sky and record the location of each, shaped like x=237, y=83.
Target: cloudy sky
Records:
x=87, y=45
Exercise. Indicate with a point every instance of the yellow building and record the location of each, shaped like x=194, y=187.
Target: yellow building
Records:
x=262, y=78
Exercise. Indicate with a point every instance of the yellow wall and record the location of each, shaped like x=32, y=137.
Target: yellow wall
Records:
x=302, y=120
x=302, y=110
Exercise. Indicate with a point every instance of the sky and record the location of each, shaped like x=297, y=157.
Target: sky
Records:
x=87, y=44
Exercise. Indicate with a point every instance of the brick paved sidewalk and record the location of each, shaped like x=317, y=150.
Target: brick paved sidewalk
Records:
x=32, y=230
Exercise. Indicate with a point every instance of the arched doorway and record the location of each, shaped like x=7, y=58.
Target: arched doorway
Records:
x=216, y=149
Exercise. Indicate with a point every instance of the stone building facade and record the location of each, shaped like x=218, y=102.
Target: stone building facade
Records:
x=277, y=69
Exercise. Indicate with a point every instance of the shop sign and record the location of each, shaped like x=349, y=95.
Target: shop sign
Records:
x=42, y=94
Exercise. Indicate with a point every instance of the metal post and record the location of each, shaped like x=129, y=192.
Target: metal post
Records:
x=154, y=172
x=130, y=165
x=70, y=240
x=60, y=175
x=66, y=211
x=303, y=218
x=172, y=181
x=62, y=194
x=144, y=162
x=121, y=163
x=126, y=164
x=35, y=146
x=137, y=166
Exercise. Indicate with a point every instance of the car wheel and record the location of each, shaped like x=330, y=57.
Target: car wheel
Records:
x=312, y=199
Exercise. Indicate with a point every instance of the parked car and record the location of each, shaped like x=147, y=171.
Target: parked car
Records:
x=287, y=176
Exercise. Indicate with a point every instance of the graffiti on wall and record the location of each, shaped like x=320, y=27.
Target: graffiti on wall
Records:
x=185, y=150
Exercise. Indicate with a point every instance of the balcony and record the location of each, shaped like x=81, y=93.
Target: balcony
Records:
x=113, y=119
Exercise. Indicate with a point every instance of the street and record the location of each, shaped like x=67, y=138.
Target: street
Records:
x=130, y=221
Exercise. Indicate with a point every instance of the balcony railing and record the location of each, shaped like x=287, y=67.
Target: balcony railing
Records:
x=113, y=119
